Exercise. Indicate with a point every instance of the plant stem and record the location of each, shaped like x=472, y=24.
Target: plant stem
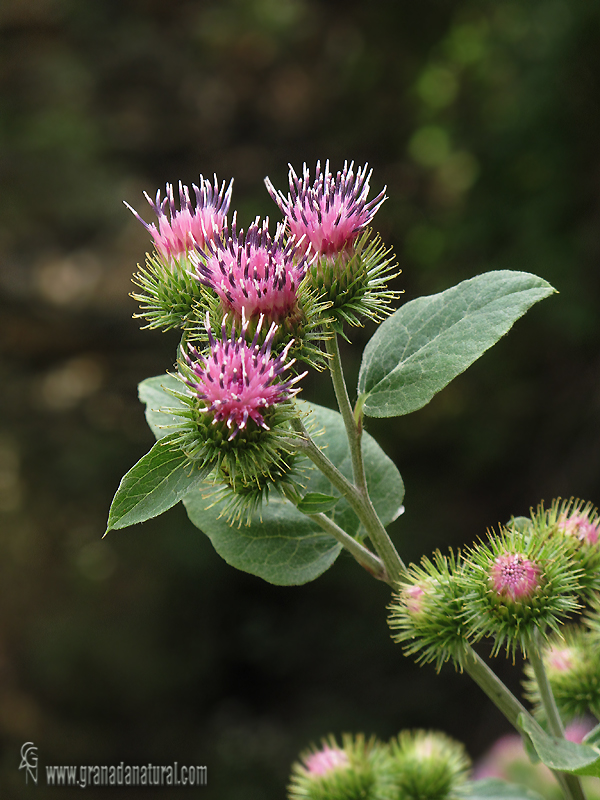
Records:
x=365, y=557
x=548, y=702
x=490, y=683
x=361, y=505
x=570, y=783
x=352, y=430
x=358, y=493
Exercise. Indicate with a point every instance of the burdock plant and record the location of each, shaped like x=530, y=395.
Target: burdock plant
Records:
x=281, y=486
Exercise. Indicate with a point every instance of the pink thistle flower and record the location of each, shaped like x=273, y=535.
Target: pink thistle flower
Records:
x=514, y=576
x=581, y=527
x=194, y=224
x=329, y=214
x=326, y=760
x=253, y=274
x=237, y=381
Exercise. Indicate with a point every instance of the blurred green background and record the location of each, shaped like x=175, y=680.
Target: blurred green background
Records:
x=482, y=118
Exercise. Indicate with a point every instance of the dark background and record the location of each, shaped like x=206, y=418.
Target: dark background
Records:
x=483, y=120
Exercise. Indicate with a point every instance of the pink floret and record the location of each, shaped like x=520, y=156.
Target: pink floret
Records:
x=514, y=576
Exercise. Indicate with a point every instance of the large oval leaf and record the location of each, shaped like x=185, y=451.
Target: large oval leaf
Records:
x=429, y=341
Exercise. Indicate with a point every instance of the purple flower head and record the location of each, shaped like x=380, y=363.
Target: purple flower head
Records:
x=253, y=274
x=326, y=760
x=514, y=577
x=580, y=526
x=329, y=214
x=238, y=381
x=194, y=224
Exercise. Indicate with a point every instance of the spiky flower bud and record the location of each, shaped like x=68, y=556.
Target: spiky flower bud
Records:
x=168, y=293
x=359, y=769
x=428, y=614
x=578, y=523
x=572, y=663
x=194, y=223
x=428, y=765
x=329, y=218
x=517, y=583
x=237, y=412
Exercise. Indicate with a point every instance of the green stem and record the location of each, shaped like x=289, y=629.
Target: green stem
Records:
x=358, y=494
x=570, y=783
x=361, y=505
x=548, y=702
x=353, y=431
x=490, y=683
x=365, y=557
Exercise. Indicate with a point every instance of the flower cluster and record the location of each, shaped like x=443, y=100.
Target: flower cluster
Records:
x=253, y=274
x=417, y=765
x=267, y=295
x=237, y=382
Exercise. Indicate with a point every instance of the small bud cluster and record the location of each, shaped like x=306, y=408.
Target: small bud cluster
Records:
x=417, y=765
x=268, y=296
x=525, y=580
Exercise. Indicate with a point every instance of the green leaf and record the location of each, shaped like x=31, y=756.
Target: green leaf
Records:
x=282, y=545
x=429, y=341
x=153, y=392
x=593, y=737
x=317, y=503
x=560, y=754
x=156, y=483
x=495, y=789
